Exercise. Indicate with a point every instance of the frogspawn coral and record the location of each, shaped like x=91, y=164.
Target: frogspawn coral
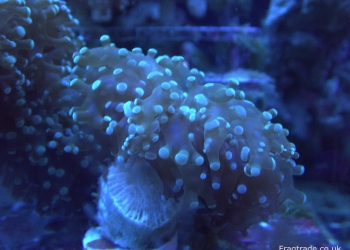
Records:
x=44, y=153
x=213, y=151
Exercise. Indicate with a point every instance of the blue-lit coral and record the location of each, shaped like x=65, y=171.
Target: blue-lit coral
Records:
x=209, y=146
x=44, y=151
x=179, y=144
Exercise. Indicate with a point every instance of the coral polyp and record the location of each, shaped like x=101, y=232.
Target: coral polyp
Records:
x=212, y=150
